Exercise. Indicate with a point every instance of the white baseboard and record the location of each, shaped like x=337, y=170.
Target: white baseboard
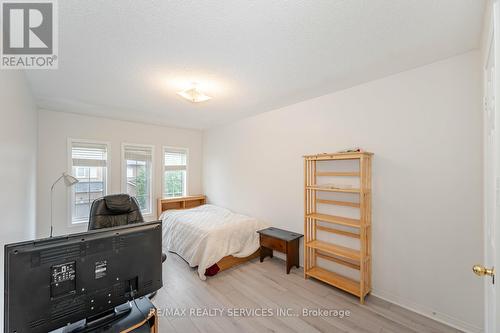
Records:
x=427, y=312
x=418, y=308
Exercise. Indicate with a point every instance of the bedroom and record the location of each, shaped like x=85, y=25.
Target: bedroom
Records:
x=121, y=110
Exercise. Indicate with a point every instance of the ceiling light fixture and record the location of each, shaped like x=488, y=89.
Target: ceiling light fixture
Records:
x=194, y=95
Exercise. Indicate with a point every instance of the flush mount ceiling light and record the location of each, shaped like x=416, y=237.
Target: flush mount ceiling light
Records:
x=194, y=94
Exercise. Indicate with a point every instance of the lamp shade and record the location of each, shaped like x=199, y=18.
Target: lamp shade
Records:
x=69, y=180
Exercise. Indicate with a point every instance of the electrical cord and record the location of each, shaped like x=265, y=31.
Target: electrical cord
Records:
x=133, y=299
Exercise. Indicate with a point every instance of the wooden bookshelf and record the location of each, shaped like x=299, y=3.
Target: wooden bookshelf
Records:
x=335, y=219
x=354, y=229
x=337, y=280
x=337, y=174
x=185, y=202
x=330, y=189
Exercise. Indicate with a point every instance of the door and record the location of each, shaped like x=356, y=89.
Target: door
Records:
x=491, y=179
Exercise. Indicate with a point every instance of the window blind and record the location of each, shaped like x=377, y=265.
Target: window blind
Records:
x=89, y=154
x=175, y=159
x=137, y=153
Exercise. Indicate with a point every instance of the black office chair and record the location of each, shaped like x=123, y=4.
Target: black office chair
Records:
x=116, y=210
x=113, y=211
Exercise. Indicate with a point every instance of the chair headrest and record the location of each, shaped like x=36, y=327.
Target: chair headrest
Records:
x=118, y=203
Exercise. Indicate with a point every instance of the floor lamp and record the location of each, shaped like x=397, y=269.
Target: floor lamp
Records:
x=69, y=181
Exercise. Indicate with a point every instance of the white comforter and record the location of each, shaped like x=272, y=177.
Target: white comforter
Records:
x=205, y=234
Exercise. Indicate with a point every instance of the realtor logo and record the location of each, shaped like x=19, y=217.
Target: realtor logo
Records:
x=29, y=34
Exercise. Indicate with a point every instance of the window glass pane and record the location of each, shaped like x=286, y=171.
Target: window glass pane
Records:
x=138, y=164
x=175, y=182
x=175, y=172
x=89, y=167
x=87, y=190
x=80, y=172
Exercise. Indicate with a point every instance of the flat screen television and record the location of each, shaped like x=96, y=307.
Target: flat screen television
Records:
x=52, y=282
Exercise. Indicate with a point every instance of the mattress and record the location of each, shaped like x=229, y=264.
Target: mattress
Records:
x=205, y=234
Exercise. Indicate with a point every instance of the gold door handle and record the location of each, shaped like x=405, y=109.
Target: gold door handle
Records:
x=480, y=270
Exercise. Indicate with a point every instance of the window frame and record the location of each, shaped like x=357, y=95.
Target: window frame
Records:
x=69, y=190
x=186, y=185
x=123, y=180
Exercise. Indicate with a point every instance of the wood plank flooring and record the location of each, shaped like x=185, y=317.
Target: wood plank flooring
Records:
x=265, y=287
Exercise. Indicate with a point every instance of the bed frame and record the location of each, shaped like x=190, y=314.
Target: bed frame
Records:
x=195, y=201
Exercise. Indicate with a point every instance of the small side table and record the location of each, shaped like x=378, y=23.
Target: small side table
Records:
x=282, y=241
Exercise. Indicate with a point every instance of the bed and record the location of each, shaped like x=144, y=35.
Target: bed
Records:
x=209, y=237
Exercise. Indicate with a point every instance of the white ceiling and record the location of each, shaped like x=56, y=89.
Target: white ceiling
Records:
x=125, y=59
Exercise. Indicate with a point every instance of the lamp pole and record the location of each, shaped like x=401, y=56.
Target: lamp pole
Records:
x=70, y=181
x=52, y=204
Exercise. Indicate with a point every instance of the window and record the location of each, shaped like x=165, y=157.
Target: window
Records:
x=84, y=172
x=80, y=172
x=89, y=165
x=138, y=174
x=175, y=172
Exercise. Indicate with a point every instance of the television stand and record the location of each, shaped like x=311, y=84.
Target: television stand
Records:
x=123, y=319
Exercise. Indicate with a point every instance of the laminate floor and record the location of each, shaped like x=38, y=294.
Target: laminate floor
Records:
x=261, y=297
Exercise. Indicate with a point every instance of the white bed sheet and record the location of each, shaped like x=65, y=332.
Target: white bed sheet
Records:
x=205, y=234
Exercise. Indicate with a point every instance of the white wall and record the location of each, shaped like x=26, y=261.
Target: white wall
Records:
x=56, y=127
x=18, y=134
x=425, y=128
x=18, y=150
